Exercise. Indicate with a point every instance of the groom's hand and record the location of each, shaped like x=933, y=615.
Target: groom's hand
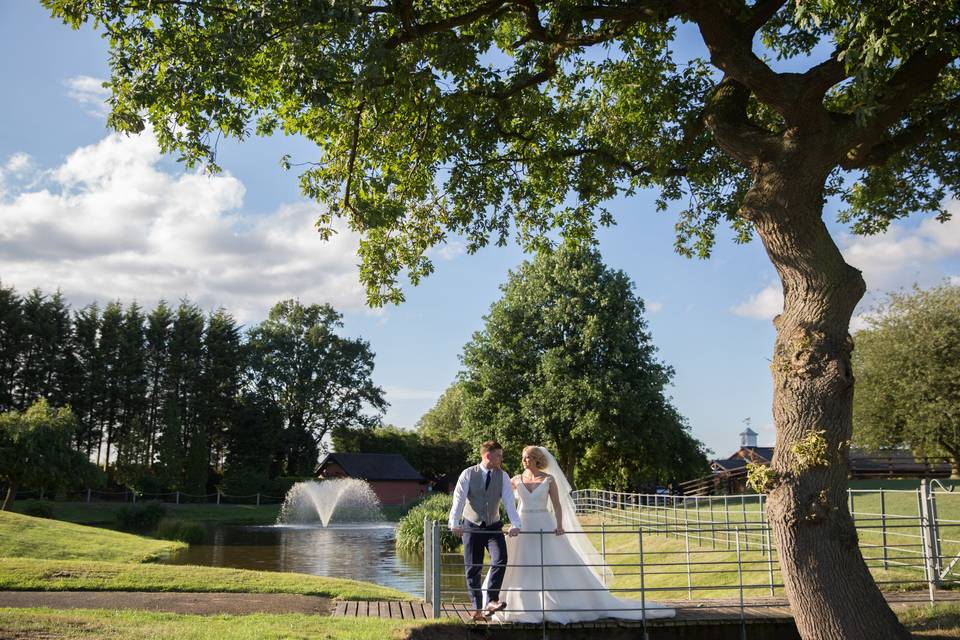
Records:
x=457, y=531
x=514, y=532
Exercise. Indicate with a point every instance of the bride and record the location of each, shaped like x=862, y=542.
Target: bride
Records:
x=573, y=572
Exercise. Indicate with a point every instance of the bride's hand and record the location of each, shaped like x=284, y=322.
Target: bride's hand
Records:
x=559, y=531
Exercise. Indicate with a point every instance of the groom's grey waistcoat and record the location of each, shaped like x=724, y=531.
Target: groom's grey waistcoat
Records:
x=483, y=505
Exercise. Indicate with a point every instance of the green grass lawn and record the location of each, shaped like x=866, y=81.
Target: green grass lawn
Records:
x=25, y=536
x=712, y=557
x=923, y=622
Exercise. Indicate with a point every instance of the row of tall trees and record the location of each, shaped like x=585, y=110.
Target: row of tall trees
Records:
x=174, y=397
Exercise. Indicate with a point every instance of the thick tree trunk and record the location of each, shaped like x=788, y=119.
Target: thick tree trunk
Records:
x=8, y=499
x=830, y=589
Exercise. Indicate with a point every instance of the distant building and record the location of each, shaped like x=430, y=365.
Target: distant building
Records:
x=729, y=475
x=390, y=476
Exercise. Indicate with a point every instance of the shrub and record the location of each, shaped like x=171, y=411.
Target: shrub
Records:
x=141, y=518
x=410, y=528
x=37, y=509
x=189, y=532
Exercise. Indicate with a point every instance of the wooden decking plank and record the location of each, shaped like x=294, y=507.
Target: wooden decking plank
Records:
x=351, y=609
x=395, y=610
x=341, y=608
x=407, y=608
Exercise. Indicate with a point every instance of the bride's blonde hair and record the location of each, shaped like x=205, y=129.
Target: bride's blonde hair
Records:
x=536, y=454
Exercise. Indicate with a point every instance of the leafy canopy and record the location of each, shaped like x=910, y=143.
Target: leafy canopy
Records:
x=481, y=117
x=35, y=448
x=907, y=364
x=565, y=361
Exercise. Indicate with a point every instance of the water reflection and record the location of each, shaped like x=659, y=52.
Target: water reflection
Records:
x=359, y=552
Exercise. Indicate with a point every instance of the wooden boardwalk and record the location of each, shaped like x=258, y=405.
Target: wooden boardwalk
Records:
x=689, y=612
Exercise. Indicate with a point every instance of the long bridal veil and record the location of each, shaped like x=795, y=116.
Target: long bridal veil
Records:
x=571, y=523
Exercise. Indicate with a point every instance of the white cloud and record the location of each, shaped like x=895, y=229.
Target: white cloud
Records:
x=955, y=280
x=902, y=256
x=654, y=307
x=763, y=305
x=18, y=164
x=90, y=93
x=448, y=251
x=109, y=224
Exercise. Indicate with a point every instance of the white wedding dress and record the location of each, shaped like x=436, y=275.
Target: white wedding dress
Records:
x=573, y=593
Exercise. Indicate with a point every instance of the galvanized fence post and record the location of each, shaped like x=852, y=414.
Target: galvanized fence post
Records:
x=427, y=556
x=743, y=619
x=726, y=520
x=643, y=589
x=743, y=512
x=435, y=565
x=689, y=574
x=883, y=527
x=543, y=598
x=603, y=550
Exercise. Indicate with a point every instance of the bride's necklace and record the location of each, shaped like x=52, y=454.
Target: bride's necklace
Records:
x=532, y=477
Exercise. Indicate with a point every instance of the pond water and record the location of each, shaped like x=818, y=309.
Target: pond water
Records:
x=357, y=551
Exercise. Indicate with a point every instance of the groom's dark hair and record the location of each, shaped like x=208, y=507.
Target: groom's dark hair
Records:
x=490, y=445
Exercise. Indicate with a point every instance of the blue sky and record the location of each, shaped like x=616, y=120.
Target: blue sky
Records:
x=107, y=217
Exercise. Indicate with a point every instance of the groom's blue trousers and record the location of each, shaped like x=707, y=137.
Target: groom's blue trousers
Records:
x=476, y=538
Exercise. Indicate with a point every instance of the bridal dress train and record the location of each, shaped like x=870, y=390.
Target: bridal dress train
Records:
x=572, y=590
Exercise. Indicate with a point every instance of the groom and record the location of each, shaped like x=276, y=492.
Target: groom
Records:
x=477, y=497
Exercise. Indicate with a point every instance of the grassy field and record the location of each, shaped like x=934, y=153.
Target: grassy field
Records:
x=709, y=568
x=25, y=536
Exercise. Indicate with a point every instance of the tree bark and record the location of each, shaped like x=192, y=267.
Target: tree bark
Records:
x=8, y=499
x=830, y=589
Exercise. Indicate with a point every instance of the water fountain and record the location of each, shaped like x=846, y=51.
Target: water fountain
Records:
x=337, y=500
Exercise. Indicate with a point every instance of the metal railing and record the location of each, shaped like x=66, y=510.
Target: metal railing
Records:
x=174, y=497
x=718, y=552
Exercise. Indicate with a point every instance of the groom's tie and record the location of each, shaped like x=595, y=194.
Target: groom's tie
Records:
x=486, y=483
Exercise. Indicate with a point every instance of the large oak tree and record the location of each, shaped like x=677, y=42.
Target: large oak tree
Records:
x=477, y=117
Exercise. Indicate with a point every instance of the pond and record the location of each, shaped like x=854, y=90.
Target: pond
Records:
x=357, y=551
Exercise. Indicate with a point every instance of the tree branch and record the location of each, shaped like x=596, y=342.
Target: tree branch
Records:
x=917, y=75
x=930, y=125
x=730, y=43
x=725, y=115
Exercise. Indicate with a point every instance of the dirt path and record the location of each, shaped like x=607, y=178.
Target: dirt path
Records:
x=200, y=603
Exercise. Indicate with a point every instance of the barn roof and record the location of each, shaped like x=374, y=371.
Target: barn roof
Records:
x=372, y=466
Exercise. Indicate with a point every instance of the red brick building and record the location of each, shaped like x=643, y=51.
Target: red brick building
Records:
x=390, y=476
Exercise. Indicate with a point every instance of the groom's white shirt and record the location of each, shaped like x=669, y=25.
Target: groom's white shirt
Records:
x=460, y=498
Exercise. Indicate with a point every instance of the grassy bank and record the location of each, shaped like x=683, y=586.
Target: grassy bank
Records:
x=42, y=554
x=32, y=574
x=25, y=536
